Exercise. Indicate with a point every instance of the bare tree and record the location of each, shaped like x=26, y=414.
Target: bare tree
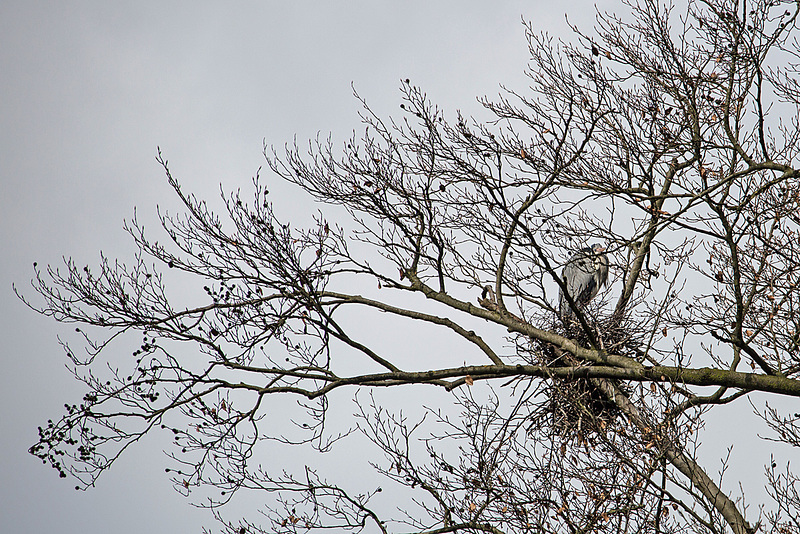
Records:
x=668, y=136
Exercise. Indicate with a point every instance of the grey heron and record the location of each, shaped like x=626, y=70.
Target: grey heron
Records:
x=583, y=275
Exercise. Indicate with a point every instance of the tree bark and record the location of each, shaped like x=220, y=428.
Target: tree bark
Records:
x=683, y=463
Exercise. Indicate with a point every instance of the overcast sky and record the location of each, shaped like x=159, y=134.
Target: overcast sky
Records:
x=90, y=89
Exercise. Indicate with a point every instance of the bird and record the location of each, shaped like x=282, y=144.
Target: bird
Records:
x=583, y=275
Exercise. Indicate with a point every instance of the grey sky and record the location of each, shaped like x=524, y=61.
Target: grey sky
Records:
x=87, y=93
x=89, y=90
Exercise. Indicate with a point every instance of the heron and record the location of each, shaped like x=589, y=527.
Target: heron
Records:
x=583, y=275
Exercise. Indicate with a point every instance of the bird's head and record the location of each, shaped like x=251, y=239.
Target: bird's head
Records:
x=600, y=264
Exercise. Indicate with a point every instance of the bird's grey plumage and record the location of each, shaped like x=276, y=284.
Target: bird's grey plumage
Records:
x=583, y=275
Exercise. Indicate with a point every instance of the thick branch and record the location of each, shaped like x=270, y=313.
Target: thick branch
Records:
x=704, y=376
x=691, y=469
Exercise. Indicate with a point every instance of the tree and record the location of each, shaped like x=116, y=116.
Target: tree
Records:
x=669, y=138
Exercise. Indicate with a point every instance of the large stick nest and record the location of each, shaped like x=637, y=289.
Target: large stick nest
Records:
x=576, y=408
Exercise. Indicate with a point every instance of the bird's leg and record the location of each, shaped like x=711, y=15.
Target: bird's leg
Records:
x=599, y=337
